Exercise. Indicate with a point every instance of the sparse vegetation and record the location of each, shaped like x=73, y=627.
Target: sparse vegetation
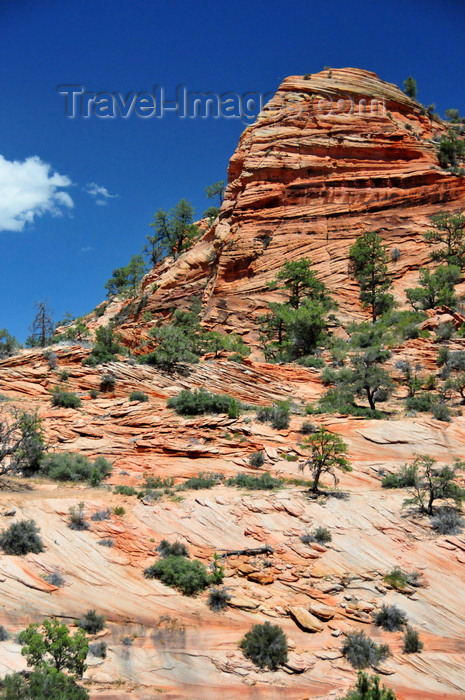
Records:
x=138, y=396
x=22, y=442
x=368, y=688
x=55, y=579
x=264, y=482
x=98, y=649
x=204, y=480
x=265, y=645
x=91, y=622
x=218, y=599
x=194, y=403
x=328, y=452
x=447, y=521
x=412, y=643
x=189, y=575
x=65, y=399
x=21, y=538
x=277, y=414
x=390, y=618
x=76, y=519
x=432, y=483
x=362, y=652
x=257, y=460
x=72, y=466
x=175, y=549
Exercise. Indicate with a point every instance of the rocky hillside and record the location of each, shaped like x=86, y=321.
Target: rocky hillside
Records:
x=301, y=183
x=316, y=169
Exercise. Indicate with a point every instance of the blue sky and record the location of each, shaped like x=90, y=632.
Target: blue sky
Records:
x=60, y=242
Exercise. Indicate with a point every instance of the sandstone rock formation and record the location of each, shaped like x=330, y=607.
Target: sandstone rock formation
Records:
x=304, y=180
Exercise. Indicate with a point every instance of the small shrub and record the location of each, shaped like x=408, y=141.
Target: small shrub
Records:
x=21, y=538
x=98, y=649
x=322, y=535
x=218, y=599
x=420, y=402
x=52, y=359
x=447, y=521
x=119, y=510
x=368, y=688
x=361, y=651
x=93, y=393
x=91, y=622
x=65, y=399
x=404, y=478
x=412, y=643
x=395, y=254
x=101, y=515
x=106, y=542
x=441, y=412
x=257, y=460
x=175, y=549
x=138, y=396
x=308, y=428
x=77, y=520
x=205, y=480
x=429, y=382
x=277, y=415
x=64, y=375
x=4, y=634
x=189, y=575
x=194, y=403
x=124, y=490
x=445, y=331
x=126, y=641
x=264, y=482
x=71, y=466
x=390, y=618
x=107, y=382
x=311, y=361
x=55, y=579
x=397, y=578
x=265, y=645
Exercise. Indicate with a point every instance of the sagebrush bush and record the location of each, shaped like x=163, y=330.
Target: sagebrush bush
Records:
x=194, y=403
x=447, y=521
x=441, y=412
x=412, y=643
x=421, y=402
x=107, y=382
x=106, y=542
x=65, y=399
x=4, y=634
x=98, y=649
x=277, y=415
x=124, y=490
x=71, y=466
x=101, y=515
x=404, y=478
x=138, y=396
x=257, y=460
x=265, y=645
x=322, y=535
x=55, y=579
x=76, y=519
x=91, y=622
x=361, y=651
x=264, y=482
x=218, y=599
x=308, y=428
x=21, y=538
x=189, y=575
x=204, y=480
x=172, y=549
x=390, y=618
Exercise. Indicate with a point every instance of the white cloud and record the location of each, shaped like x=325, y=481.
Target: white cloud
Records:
x=100, y=193
x=29, y=189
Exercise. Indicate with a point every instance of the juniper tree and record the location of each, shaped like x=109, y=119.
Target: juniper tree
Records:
x=448, y=231
x=436, y=288
x=369, y=258
x=328, y=452
x=174, y=231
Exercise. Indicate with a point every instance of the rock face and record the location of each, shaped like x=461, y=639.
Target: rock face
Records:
x=329, y=157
